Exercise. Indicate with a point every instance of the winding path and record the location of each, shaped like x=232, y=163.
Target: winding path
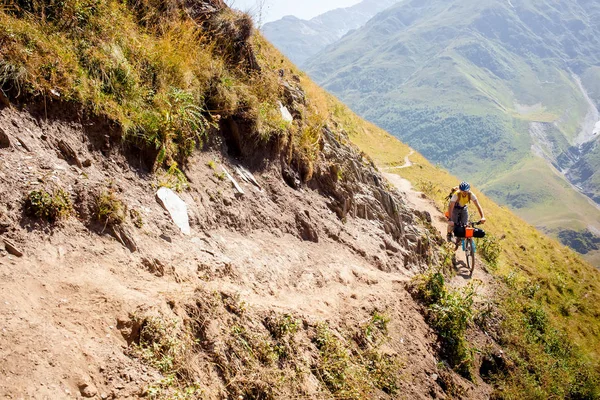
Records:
x=419, y=201
x=407, y=163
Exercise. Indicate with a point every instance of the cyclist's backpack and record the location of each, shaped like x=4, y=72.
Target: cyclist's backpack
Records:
x=453, y=191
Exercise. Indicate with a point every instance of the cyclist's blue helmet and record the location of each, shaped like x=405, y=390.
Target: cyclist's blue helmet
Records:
x=464, y=186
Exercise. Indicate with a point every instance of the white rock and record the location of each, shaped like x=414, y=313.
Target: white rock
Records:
x=176, y=208
x=285, y=113
x=236, y=185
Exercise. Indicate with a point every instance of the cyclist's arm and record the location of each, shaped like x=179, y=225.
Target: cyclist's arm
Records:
x=479, y=209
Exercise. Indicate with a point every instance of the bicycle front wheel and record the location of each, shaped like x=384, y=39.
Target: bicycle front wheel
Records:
x=470, y=255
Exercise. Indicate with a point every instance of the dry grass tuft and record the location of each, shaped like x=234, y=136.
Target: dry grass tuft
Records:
x=109, y=209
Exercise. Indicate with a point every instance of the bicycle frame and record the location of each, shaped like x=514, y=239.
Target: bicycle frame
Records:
x=469, y=248
x=463, y=241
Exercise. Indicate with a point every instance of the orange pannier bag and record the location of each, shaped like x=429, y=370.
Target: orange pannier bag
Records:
x=469, y=232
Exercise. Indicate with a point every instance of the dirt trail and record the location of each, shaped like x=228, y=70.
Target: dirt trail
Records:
x=419, y=201
x=65, y=303
x=407, y=163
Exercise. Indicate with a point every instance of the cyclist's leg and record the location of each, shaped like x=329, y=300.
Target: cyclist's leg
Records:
x=463, y=216
x=454, y=219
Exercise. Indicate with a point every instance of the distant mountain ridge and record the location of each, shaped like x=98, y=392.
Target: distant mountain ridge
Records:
x=300, y=39
x=504, y=93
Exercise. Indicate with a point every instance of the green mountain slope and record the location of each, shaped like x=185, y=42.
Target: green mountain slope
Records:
x=179, y=88
x=300, y=39
x=480, y=87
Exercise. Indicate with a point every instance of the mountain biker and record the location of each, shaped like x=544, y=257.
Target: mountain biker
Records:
x=458, y=214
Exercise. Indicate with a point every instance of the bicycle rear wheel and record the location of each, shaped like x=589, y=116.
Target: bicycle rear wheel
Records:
x=470, y=255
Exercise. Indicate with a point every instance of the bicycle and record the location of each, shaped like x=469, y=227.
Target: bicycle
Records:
x=468, y=245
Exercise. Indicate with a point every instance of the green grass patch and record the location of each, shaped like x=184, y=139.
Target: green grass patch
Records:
x=352, y=374
x=537, y=273
x=546, y=362
x=450, y=312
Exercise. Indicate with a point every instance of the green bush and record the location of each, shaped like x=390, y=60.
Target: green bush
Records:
x=282, y=325
x=173, y=178
x=431, y=287
x=429, y=188
x=450, y=316
x=490, y=249
x=545, y=361
x=378, y=323
x=49, y=206
x=449, y=312
x=351, y=373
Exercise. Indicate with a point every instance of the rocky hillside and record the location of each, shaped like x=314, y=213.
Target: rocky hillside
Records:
x=301, y=39
x=511, y=82
x=185, y=216
x=107, y=293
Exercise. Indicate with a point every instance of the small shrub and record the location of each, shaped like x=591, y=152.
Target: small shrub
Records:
x=490, y=249
x=257, y=346
x=350, y=373
x=109, y=209
x=335, y=368
x=167, y=388
x=383, y=370
x=448, y=258
x=536, y=320
x=166, y=345
x=431, y=288
x=281, y=326
x=530, y=290
x=177, y=131
x=159, y=345
x=49, y=206
x=220, y=175
x=450, y=317
x=270, y=123
x=307, y=141
x=511, y=279
x=485, y=315
x=430, y=189
x=378, y=323
x=449, y=313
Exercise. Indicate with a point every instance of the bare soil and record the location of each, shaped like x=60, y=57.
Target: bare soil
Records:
x=65, y=304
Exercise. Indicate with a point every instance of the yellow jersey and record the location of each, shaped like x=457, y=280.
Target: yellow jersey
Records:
x=463, y=198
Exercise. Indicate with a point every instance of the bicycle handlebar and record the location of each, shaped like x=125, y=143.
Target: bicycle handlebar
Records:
x=471, y=224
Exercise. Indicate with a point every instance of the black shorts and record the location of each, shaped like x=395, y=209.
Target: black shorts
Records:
x=460, y=216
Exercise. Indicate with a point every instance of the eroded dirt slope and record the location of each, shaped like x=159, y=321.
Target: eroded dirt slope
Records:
x=333, y=252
